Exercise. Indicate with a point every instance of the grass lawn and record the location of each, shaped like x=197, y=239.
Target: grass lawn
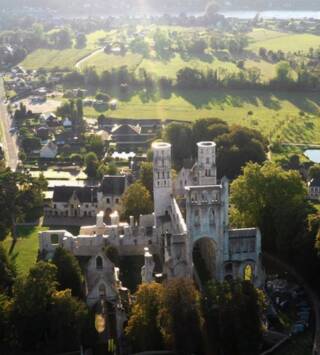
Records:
x=286, y=42
x=268, y=70
x=50, y=58
x=263, y=34
x=26, y=248
x=169, y=68
x=274, y=114
x=102, y=61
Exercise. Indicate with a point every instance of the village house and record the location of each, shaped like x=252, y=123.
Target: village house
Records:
x=49, y=151
x=87, y=201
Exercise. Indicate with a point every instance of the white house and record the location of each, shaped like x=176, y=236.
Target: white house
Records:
x=49, y=151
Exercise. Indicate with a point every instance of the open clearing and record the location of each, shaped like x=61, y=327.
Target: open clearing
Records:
x=287, y=43
x=51, y=58
x=277, y=115
x=26, y=248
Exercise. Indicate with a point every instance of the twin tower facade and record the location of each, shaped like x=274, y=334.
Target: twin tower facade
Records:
x=202, y=222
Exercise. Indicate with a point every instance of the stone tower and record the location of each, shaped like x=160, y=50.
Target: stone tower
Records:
x=162, y=183
x=207, y=171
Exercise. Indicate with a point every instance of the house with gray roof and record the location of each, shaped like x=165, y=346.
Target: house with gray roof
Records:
x=87, y=201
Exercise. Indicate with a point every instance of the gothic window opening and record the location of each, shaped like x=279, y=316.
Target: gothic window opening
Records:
x=196, y=217
x=248, y=273
x=102, y=291
x=99, y=263
x=211, y=216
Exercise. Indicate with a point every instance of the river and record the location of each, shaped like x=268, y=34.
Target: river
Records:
x=276, y=14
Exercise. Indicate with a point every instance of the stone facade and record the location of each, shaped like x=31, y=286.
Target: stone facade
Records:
x=87, y=201
x=200, y=221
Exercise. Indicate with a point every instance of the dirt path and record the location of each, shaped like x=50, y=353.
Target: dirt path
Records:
x=83, y=60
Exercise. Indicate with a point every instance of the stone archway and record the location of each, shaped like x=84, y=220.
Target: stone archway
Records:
x=204, y=255
x=107, y=213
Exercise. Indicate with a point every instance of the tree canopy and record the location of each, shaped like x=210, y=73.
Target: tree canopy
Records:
x=136, y=201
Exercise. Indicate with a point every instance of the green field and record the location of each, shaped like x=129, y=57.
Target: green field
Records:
x=26, y=248
x=51, y=58
x=277, y=115
x=284, y=42
x=102, y=61
x=170, y=67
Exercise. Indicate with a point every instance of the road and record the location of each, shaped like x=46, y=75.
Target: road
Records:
x=81, y=61
x=8, y=139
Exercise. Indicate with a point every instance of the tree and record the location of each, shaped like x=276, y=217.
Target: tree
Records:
x=95, y=144
x=68, y=271
x=136, y=201
x=180, y=317
x=67, y=318
x=139, y=45
x=284, y=73
x=274, y=200
x=238, y=147
x=232, y=312
x=7, y=271
x=143, y=327
x=21, y=199
x=146, y=176
x=180, y=137
x=81, y=40
x=314, y=171
x=32, y=296
x=91, y=163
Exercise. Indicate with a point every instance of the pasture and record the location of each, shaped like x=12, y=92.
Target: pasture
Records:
x=277, y=115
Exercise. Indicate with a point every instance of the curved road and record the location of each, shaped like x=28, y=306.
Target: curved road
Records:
x=81, y=61
x=8, y=139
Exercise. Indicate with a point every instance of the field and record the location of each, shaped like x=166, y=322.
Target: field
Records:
x=276, y=115
x=102, y=61
x=26, y=248
x=51, y=58
x=283, y=41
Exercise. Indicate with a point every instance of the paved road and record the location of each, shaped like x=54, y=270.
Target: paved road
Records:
x=8, y=139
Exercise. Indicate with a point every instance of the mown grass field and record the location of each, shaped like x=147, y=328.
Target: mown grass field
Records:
x=102, y=61
x=277, y=115
x=51, y=58
x=283, y=41
x=26, y=248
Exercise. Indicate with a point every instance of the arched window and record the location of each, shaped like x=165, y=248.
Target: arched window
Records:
x=248, y=273
x=228, y=268
x=99, y=263
x=196, y=217
x=211, y=216
x=102, y=291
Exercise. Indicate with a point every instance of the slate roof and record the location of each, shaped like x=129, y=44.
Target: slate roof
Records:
x=113, y=185
x=126, y=129
x=83, y=193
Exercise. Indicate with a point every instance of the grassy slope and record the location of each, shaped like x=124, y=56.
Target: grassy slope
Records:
x=275, y=114
x=50, y=58
x=103, y=61
x=287, y=43
x=26, y=248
